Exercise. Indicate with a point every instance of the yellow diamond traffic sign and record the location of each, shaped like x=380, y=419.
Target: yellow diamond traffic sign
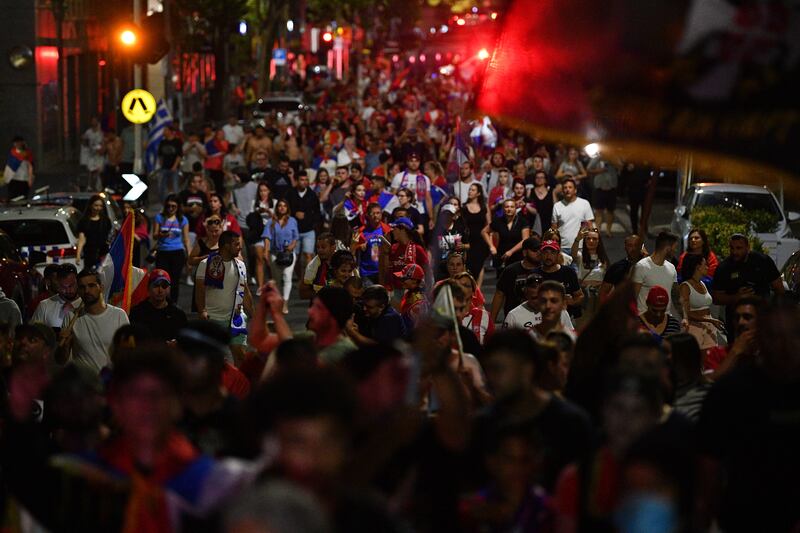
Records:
x=138, y=106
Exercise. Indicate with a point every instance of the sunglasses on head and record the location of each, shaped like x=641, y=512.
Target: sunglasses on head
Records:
x=215, y=222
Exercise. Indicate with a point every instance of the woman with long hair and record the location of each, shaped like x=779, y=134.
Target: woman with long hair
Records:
x=477, y=320
x=476, y=219
x=506, y=235
x=216, y=206
x=355, y=206
x=519, y=193
x=542, y=198
x=204, y=246
x=322, y=187
x=171, y=235
x=453, y=237
x=280, y=240
x=264, y=205
x=697, y=244
x=94, y=231
x=591, y=258
x=696, y=303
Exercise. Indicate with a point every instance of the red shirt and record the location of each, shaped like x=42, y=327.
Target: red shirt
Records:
x=400, y=256
x=235, y=382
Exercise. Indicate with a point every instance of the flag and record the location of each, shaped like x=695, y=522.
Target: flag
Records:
x=121, y=266
x=458, y=155
x=655, y=81
x=15, y=160
x=156, y=132
x=443, y=312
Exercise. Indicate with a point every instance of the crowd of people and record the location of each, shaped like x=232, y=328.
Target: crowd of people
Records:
x=655, y=393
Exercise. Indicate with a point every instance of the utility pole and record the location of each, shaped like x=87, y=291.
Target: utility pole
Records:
x=137, y=84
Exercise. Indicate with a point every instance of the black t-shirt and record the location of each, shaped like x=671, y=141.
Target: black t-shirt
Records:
x=164, y=323
x=96, y=232
x=512, y=284
x=751, y=425
x=279, y=183
x=618, y=272
x=509, y=237
x=569, y=279
x=756, y=272
x=169, y=151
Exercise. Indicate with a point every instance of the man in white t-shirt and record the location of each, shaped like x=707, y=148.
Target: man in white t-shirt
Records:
x=418, y=182
x=234, y=133
x=552, y=303
x=527, y=315
x=466, y=178
x=656, y=270
x=221, y=291
x=53, y=310
x=87, y=339
x=570, y=213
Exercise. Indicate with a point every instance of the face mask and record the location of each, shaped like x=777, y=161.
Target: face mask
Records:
x=646, y=512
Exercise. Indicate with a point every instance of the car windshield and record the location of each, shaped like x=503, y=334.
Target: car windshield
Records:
x=741, y=200
x=268, y=106
x=35, y=231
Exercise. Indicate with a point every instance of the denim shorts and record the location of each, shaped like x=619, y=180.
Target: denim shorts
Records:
x=307, y=242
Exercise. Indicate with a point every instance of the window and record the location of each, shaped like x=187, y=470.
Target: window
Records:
x=741, y=200
x=35, y=232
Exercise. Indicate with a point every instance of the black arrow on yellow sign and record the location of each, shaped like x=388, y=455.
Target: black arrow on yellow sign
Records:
x=133, y=104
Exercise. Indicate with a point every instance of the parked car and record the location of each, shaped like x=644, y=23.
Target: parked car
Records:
x=791, y=273
x=42, y=233
x=18, y=279
x=286, y=106
x=80, y=200
x=780, y=243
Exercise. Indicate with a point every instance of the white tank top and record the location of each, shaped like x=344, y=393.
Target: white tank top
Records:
x=698, y=300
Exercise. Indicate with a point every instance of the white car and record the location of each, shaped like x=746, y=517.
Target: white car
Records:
x=780, y=244
x=285, y=106
x=43, y=234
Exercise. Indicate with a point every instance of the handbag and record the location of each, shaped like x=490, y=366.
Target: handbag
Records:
x=284, y=259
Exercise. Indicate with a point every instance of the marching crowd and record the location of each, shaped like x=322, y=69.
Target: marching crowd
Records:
x=656, y=393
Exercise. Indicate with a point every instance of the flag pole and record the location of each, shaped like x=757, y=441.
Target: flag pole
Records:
x=452, y=309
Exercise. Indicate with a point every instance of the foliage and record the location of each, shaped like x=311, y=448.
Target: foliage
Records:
x=720, y=223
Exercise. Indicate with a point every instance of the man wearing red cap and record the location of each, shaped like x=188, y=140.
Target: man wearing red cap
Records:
x=414, y=305
x=158, y=314
x=656, y=320
x=552, y=270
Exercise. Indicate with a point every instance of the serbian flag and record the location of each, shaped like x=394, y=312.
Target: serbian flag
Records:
x=655, y=81
x=121, y=258
x=458, y=155
x=15, y=160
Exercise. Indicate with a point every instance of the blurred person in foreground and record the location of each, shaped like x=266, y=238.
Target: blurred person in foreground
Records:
x=749, y=432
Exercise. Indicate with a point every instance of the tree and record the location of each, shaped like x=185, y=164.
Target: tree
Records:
x=207, y=24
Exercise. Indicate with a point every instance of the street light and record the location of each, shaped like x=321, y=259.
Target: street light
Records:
x=290, y=25
x=592, y=149
x=127, y=37
x=327, y=36
x=483, y=54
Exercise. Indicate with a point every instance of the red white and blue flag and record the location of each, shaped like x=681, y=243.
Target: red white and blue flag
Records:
x=15, y=160
x=458, y=155
x=121, y=255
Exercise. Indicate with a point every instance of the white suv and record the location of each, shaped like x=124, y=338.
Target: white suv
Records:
x=43, y=234
x=780, y=244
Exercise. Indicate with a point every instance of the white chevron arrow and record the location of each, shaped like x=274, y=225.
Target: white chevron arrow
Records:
x=137, y=187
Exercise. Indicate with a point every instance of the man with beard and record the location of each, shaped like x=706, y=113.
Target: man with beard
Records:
x=53, y=310
x=86, y=334
x=721, y=359
x=620, y=271
x=162, y=317
x=511, y=285
x=550, y=269
x=417, y=182
x=744, y=273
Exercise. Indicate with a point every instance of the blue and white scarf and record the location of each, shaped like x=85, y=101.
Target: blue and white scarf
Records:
x=215, y=277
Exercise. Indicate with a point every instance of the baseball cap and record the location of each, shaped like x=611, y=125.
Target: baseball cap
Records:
x=658, y=295
x=158, y=274
x=403, y=222
x=39, y=330
x=552, y=245
x=412, y=271
x=449, y=208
